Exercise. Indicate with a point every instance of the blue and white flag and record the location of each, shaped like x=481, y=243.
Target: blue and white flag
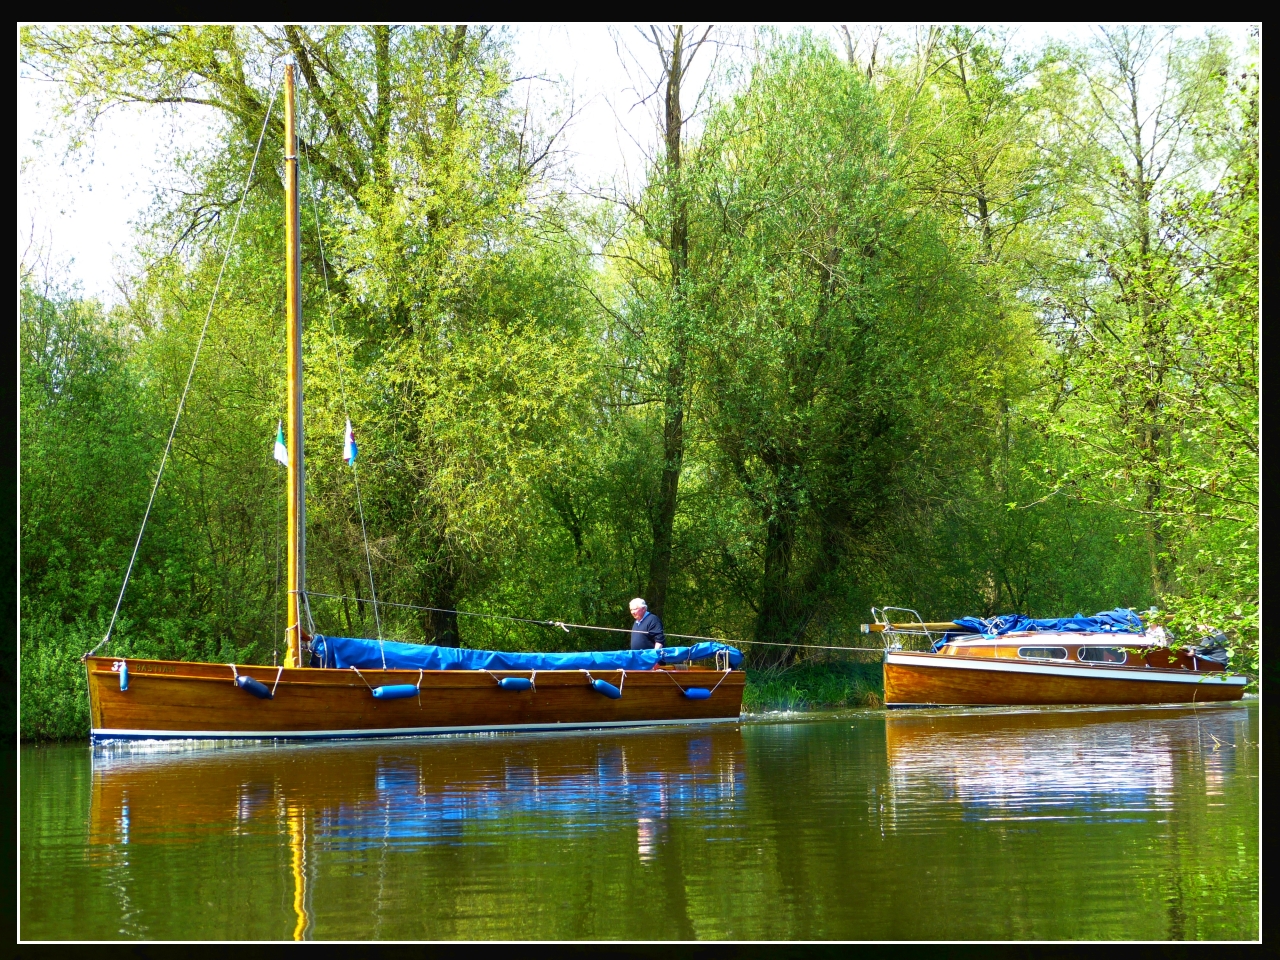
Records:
x=349, y=446
x=281, y=452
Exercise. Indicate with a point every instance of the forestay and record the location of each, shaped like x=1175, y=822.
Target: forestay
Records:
x=343, y=652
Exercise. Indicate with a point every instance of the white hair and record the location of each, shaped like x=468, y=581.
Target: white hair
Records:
x=638, y=602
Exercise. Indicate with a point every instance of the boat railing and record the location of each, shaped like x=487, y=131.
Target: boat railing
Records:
x=901, y=633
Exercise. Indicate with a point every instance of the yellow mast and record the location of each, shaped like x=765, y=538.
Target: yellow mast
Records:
x=293, y=308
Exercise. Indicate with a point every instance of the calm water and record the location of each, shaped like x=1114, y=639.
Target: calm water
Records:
x=1028, y=824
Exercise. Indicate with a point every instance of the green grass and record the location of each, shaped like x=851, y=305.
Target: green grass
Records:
x=814, y=687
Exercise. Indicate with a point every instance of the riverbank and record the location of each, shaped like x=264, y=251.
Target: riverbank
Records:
x=814, y=687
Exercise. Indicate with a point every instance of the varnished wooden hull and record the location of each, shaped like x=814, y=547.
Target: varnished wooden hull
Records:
x=929, y=679
x=177, y=700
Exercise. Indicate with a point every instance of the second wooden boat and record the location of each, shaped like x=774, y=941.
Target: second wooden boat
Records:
x=1108, y=659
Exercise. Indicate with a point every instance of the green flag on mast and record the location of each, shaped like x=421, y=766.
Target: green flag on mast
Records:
x=281, y=452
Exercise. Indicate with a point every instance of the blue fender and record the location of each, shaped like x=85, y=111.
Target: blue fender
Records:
x=395, y=691
x=608, y=689
x=698, y=693
x=515, y=683
x=124, y=675
x=256, y=687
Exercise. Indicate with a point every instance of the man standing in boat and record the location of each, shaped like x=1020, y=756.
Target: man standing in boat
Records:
x=647, y=633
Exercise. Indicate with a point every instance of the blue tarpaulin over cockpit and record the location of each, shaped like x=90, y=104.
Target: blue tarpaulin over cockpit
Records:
x=1112, y=621
x=343, y=652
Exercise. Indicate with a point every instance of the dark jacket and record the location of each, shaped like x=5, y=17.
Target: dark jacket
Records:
x=646, y=632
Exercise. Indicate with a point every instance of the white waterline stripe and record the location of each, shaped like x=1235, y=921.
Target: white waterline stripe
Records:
x=126, y=734
x=1051, y=670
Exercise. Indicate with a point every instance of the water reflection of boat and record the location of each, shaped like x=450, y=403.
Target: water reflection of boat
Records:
x=430, y=788
x=393, y=794
x=1107, y=659
x=1107, y=764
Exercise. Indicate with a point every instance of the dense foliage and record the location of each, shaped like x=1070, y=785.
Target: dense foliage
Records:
x=942, y=327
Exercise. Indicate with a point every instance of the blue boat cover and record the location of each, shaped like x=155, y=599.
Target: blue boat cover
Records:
x=1118, y=620
x=346, y=652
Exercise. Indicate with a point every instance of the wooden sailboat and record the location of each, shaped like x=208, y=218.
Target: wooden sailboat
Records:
x=163, y=699
x=965, y=665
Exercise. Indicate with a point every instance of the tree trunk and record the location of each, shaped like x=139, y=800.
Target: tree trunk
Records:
x=382, y=115
x=1153, y=339
x=339, y=569
x=440, y=624
x=775, y=623
x=444, y=628
x=673, y=408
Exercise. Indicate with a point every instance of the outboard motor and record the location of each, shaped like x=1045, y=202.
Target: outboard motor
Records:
x=1212, y=648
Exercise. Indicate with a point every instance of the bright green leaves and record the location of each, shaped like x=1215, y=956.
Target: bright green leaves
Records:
x=1158, y=330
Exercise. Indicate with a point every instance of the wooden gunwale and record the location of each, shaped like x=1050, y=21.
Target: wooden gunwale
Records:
x=327, y=676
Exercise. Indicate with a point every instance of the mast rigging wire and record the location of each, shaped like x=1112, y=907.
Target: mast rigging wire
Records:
x=342, y=390
x=587, y=626
x=244, y=195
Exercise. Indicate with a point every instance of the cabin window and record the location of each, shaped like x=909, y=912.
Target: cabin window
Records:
x=1042, y=653
x=1102, y=655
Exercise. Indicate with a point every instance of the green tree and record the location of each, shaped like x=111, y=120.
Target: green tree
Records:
x=847, y=348
x=1156, y=329
x=652, y=317
x=452, y=300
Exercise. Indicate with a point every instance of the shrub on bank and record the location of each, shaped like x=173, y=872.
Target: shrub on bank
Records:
x=813, y=686
x=54, y=698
